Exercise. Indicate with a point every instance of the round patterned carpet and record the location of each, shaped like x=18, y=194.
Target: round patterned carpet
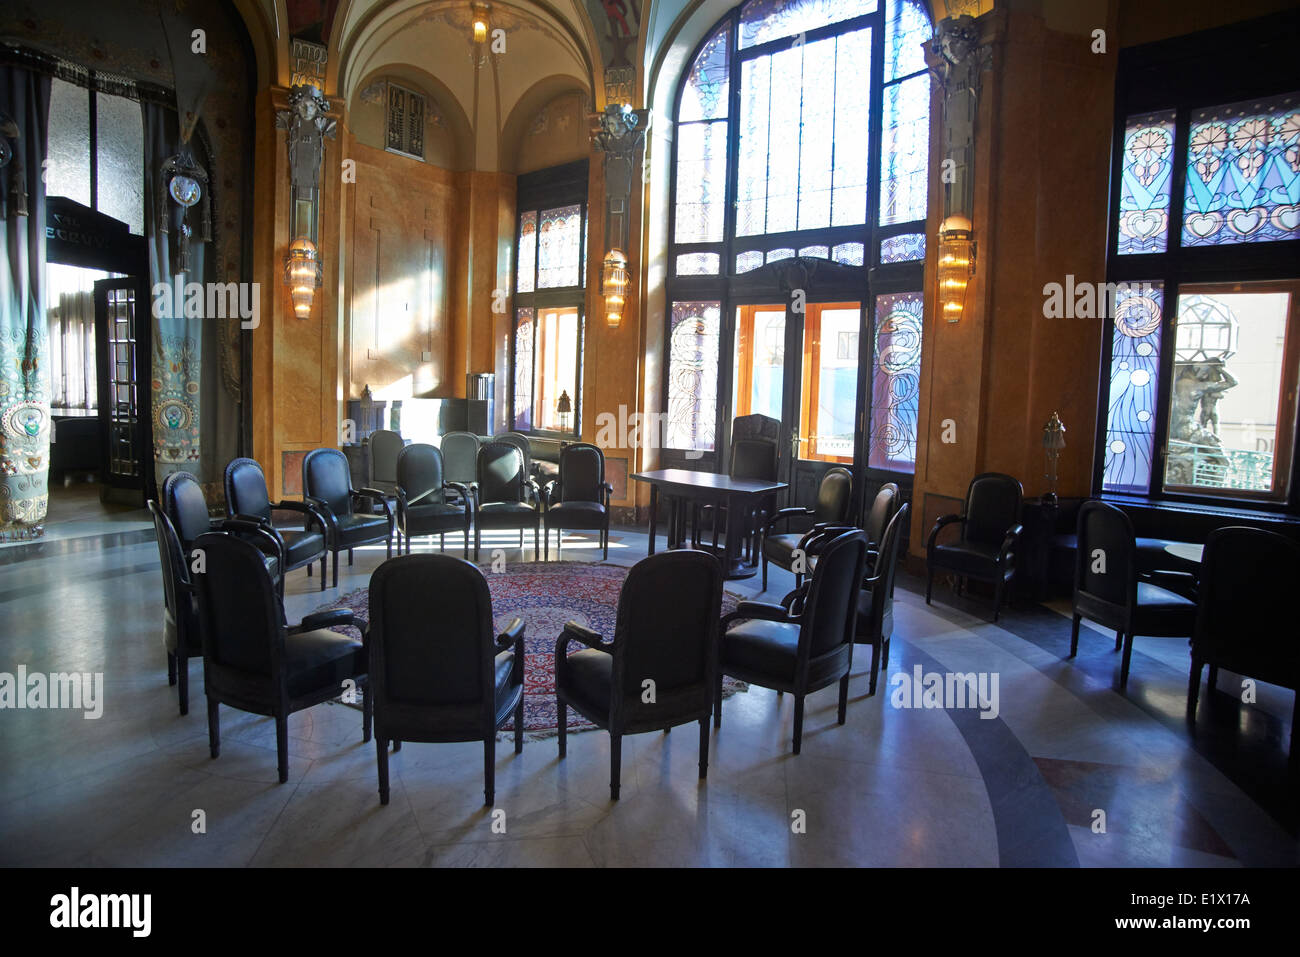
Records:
x=546, y=595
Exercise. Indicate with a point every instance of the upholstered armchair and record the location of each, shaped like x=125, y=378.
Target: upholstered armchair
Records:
x=834, y=506
x=383, y=447
x=505, y=496
x=579, y=498
x=460, y=459
x=805, y=643
x=988, y=537
x=327, y=484
x=1107, y=588
x=423, y=505
x=254, y=661
x=437, y=672
x=666, y=633
x=1245, y=575
x=247, y=499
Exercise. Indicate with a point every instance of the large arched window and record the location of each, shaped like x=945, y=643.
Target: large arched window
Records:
x=802, y=130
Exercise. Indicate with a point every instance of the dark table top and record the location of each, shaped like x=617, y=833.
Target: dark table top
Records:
x=708, y=482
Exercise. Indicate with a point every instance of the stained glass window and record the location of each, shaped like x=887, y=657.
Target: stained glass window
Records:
x=817, y=252
x=1243, y=173
x=803, y=154
x=778, y=254
x=67, y=170
x=119, y=160
x=523, y=397
x=1134, y=382
x=905, y=247
x=895, y=381
x=559, y=247
x=905, y=153
x=701, y=182
x=704, y=96
x=748, y=261
x=699, y=264
x=527, y=251
x=764, y=20
x=851, y=254
x=1148, y=163
x=907, y=29
x=694, y=332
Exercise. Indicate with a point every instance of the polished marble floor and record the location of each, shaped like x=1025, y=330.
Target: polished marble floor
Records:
x=1070, y=772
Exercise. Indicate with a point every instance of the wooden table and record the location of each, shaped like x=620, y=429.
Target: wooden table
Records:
x=683, y=485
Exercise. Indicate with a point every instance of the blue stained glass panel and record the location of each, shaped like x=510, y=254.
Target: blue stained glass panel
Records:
x=776, y=255
x=907, y=29
x=1243, y=173
x=1148, y=164
x=852, y=125
x=905, y=247
x=704, y=97
x=851, y=254
x=698, y=264
x=523, y=398
x=701, y=182
x=896, y=381
x=905, y=166
x=693, y=340
x=527, y=251
x=816, y=252
x=765, y=20
x=1134, y=379
x=748, y=261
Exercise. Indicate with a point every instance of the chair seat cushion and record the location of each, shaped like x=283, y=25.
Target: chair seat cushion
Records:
x=506, y=515
x=434, y=517
x=780, y=548
x=967, y=558
x=361, y=529
x=301, y=547
x=576, y=515
x=763, y=647
x=587, y=676
x=315, y=660
x=1154, y=597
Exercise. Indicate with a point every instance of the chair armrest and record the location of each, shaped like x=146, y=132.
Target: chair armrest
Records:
x=322, y=509
x=581, y=634
x=256, y=529
x=531, y=483
x=820, y=532
x=328, y=619
x=378, y=496
x=782, y=514
x=513, y=635
x=609, y=492
x=793, y=601
x=943, y=521
x=763, y=610
x=305, y=508
x=1012, y=539
x=548, y=491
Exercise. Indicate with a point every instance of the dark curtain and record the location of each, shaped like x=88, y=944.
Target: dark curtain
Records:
x=24, y=375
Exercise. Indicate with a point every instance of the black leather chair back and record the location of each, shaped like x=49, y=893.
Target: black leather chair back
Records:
x=460, y=456
x=1105, y=539
x=830, y=610
x=246, y=492
x=419, y=470
x=1247, y=576
x=431, y=638
x=326, y=476
x=175, y=573
x=667, y=630
x=582, y=472
x=753, y=459
x=891, y=545
x=385, y=446
x=834, y=497
x=185, y=507
x=522, y=443
x=240, y=617
x=883, y=508
x=501, y=474
x=992, y=507
x=756, y=426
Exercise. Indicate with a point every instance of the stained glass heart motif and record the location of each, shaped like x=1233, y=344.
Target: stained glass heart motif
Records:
x=1287, y=218
x=1143, y=224
x=1202, y=225
x=1243, y=222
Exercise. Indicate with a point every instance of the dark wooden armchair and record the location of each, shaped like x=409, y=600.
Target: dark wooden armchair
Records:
x=327, y=484
x=505, y=496
x=988, y=538
x=579, y=498
x=661, y=667
x=1246, y=576
x=247, y=499
x=805, y=643
x=424, y=506
x=254, y=661
x=834, y=506
x=437, y=672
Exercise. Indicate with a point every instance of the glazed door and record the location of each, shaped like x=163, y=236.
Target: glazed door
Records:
x=122, y=359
